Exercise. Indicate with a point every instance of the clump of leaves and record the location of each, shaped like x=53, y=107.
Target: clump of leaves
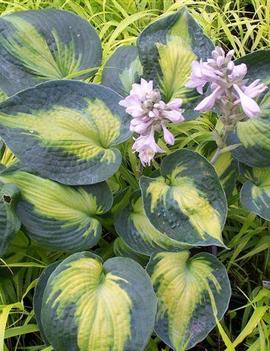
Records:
x=75, y=184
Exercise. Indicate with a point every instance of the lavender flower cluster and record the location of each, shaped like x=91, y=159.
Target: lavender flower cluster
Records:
x=227, y=84
x=150, y=114
x=229, y=92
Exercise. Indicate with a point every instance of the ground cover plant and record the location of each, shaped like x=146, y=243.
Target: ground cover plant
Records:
x=134, y=187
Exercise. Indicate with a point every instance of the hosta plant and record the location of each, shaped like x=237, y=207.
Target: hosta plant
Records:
x=93, y=159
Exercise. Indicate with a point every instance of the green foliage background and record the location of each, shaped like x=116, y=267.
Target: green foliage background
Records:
x=241, y=25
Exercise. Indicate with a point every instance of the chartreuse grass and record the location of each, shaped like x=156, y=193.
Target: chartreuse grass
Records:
x=241, y=25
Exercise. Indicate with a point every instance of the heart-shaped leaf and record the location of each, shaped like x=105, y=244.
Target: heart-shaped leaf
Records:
x=192, y=293
x=187, y=201
x=252, y=138
x=255, y=193
x=47, y=44
x=9, y=222
x=58, y=216
x=122, y=69
x=90, y=306
x=66, y=130
x=136, y=230
x=167, y=48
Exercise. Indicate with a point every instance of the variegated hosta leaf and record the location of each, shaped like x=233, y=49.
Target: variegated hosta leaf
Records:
x=136, y=230
x=9, y=222
x=39, y=292
x=191, y=291
x=122, y=69
x=167, y=48
x=66, y=130
x=59, y=216
x=258, y=65
x=187, y=201
x=253, y=138
x=255, y=193
x=90, y=306
x=48, y=44
x=121, y=249
x=227, y=171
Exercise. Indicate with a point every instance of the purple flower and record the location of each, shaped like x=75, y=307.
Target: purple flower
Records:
x=141, y=100
x=250, y=106
x=227, y=84
x=254, y=89
x=146, y=146
x=149, y=115
x=168, y=136
x=198, y=77
x=208, y=103
x=144, y=104
x=238, y=72
x=172, y=111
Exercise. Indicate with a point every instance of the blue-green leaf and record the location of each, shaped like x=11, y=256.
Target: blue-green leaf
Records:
x=136, y=230
x=47, y=44
x=39, y=292
x=255, y=193
x=252, y=138
x=122, y=69
x=193, y=293
x=187, y=201
x=58, y=216
x=167, y=48
x=88, y=305
x=66, y=130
